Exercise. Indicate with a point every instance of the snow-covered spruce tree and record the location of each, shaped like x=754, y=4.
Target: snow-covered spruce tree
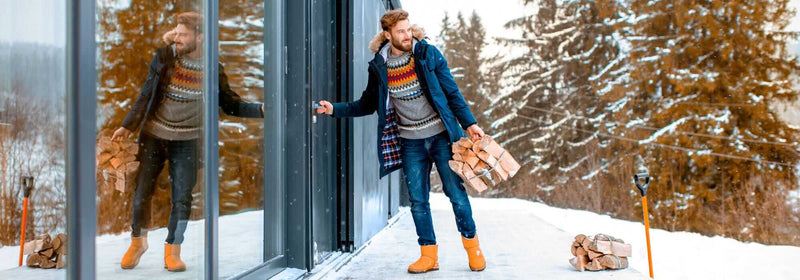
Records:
x=463, y=44
x=549, y=117
x=713, y=68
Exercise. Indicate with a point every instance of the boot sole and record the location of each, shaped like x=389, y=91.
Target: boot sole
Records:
x=422, y=271
x=176, y=270
x=477, y=269
x=135, y=263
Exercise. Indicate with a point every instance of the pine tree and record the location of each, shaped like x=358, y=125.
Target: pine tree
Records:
x=464, y=41
x=551, y=117
x=713, y=68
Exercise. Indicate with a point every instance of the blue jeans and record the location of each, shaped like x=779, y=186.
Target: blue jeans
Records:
x=182, y=156
x=418, y=157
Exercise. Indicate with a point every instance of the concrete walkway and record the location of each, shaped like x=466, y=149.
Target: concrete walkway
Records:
x=517, y=244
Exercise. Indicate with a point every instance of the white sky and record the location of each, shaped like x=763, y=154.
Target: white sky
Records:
x=44, y=21
x=428, y=14
x=40, y=21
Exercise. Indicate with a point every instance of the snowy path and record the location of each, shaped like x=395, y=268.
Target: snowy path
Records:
x=517, y=243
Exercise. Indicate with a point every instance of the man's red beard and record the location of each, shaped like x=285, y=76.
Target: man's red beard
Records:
x=182, y=49
x=402, y=47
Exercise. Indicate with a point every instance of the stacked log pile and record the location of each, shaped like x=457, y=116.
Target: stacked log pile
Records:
x=116, y=163
x=482, y=164
x=599, y=252
x=44, y=252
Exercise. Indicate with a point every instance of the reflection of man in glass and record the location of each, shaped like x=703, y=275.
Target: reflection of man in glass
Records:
x=168, y=113
x=420, y=113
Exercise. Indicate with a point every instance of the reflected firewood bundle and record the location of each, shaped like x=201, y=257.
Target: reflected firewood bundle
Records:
x=116, y=163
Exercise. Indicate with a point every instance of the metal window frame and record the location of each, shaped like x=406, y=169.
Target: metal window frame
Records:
x=81, y=184
x=210, y=137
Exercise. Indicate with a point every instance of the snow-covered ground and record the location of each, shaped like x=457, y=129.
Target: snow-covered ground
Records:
x=240, y=248
x=528, y=240
x=521, y=239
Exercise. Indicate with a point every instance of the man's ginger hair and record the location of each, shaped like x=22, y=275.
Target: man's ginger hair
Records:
x=191, y=20
x=391, y=18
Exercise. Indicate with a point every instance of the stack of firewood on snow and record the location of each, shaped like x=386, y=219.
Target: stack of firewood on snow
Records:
x=45, y=252
x=599, y=252
x=116, y=163
x=482, y=164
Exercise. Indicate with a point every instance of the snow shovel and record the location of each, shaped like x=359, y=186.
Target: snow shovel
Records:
x=27, y=185
x=638, y=178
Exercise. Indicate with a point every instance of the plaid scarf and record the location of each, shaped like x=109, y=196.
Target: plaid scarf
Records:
x=390, y=142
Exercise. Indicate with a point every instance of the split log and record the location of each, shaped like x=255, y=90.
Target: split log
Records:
x=613, y=262
x=593, y=255
x=594, y=265
x=579, y=262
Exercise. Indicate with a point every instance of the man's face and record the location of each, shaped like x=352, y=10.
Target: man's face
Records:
x=400, y=35
x=186, y=40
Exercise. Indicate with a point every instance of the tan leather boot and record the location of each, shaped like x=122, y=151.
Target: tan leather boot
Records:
x=428, y=261
x=135, y=252
x=172, y=258
x=476, y=260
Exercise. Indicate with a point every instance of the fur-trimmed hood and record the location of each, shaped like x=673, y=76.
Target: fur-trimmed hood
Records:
x=375, y=45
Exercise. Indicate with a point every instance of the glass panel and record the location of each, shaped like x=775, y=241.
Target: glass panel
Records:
x=150, y=139
x=32, y=137
x=241, y=140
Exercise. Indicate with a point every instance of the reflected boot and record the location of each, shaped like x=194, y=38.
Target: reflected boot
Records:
x=172, y=257
x=428, y=261
x=476, y=260
x=135, y=251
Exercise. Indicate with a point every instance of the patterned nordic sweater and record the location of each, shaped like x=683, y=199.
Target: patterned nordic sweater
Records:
x=179, y=116
x=417, y=119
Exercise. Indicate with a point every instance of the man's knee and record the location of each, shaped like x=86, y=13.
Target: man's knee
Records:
x=423, y=207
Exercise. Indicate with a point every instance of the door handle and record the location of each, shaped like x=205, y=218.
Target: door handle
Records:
x=314, y=107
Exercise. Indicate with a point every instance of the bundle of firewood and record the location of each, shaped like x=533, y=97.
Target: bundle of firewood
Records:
x=599, y=252
x=482, y=164
x=45, y=252
x=116, y=163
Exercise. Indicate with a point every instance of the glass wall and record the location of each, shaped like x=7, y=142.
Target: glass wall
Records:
x=241, y=140
x=150, y=138
x=32, y=139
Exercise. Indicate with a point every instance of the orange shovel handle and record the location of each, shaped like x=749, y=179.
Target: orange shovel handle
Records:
x=22, y=235
x=647, y=234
